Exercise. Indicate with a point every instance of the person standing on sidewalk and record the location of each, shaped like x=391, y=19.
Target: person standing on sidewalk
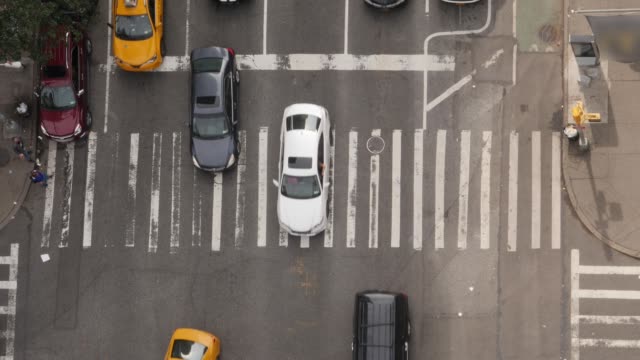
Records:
x=18, y=148
x=38, y=176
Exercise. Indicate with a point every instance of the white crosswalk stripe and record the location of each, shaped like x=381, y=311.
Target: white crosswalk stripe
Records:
x=374, y=188
x=583, y=339
x=450, y=212
x=131, y=187
x=154, y=207
x=67, y=192
x=89, y=190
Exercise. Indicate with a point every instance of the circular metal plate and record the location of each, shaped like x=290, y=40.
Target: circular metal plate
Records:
x=375, y=144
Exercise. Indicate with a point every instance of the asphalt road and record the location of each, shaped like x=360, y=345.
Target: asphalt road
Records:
x=487, y=267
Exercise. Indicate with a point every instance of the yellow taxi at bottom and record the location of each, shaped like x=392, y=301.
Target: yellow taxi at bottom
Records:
x=192, y=344
x=138, y=43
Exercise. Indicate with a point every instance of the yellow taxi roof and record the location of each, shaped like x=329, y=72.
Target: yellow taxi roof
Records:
x=139, y=8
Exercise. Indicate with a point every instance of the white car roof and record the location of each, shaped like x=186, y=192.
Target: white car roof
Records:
x=300, y=143
x=311, y=109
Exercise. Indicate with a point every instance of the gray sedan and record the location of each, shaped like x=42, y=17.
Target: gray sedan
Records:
x=213, y=113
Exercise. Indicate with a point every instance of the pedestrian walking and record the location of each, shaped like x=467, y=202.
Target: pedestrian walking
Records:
x=18, y=148
x=38, y=176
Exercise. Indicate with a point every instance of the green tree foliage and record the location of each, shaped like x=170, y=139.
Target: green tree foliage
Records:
x=24, y=23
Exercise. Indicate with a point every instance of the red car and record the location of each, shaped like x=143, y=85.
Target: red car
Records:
x=63, y=107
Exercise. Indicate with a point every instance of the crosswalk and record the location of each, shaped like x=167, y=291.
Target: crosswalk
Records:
x=419, y=190
x=608, y=330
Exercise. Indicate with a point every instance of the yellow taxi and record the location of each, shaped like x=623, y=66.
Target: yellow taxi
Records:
x=138, y=43
x=192, y=344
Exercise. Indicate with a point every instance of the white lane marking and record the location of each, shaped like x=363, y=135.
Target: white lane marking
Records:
x=67, y=191
x=216, y=214
x=493, y=59
x=264, y=28
x=263, y=137
x=328, y=233
x=109, y=67
x=12, y=295
x=609, y=270
x=352, y=189
x=418, y=141
x=304, y=242
x=196, y=220
x=608, y=294
x=512, y=227
x=240, y=191
x=514, y=68
x=439, y=189
x=485, y=192
x=610, y=343
x=426, y=69
x=131, y=188
x=426, y=7
x=536, y=174
x=374, y=186
x=176, y=148
x=556, y=220
x=173, y=63
x=575, y=304
x=156, y=162
x=89, y=190
x=318, y=62
x=455, y=87
x=609, y=319
x=186, y=33
x=396, y=174
x=283, y=238
x=8, y=285
x=514, y=13
x=346, y=26
x=48, y=202
x=463, y=188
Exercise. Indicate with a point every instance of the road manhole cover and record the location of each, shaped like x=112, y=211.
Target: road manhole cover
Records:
x=549, y=33
x=4, y=157
x=375, y=144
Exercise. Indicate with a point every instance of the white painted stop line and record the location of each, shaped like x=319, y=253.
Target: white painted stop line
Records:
x=319, y=62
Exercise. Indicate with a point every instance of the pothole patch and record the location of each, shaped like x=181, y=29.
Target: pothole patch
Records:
x=375, y=144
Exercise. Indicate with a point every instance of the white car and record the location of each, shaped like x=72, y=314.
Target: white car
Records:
x=303, y=169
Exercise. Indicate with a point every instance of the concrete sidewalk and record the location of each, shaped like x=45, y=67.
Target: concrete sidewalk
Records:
x=14, y=172
x=601, y=182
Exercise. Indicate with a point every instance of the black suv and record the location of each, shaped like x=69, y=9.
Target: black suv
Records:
x=381, y=326
x=214, y=102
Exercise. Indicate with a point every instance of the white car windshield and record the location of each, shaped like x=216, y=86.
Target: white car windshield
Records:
x=300, y=187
